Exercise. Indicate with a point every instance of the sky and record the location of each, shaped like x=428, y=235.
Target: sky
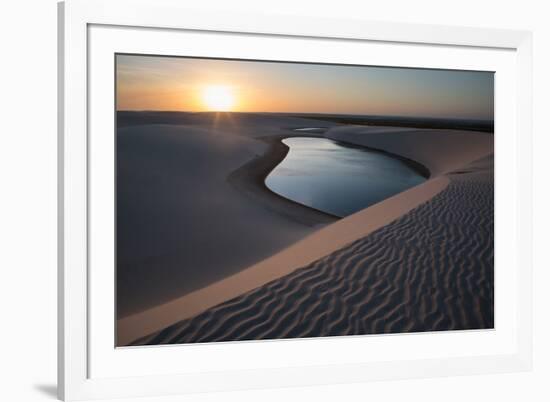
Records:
x=194, y=84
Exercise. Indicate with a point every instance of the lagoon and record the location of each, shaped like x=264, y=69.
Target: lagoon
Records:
x=338, y=178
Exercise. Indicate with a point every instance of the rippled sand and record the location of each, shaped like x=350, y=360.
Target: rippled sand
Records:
x=429, y=270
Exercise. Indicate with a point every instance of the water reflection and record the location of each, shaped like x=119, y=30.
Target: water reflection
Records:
x=338, y=179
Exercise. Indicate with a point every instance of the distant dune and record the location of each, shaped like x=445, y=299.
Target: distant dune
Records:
x=153, y=117
x=441, y=151
x=421, y=260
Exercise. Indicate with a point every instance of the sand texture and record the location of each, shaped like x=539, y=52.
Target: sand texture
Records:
x=429, y=270
x=315, y=246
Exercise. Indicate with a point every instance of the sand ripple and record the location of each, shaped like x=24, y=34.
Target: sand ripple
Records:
x=430, y=270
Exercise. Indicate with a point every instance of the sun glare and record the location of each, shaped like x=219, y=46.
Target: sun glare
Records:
x=218, y=98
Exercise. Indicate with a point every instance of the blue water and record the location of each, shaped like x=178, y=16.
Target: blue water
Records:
x=338, y=179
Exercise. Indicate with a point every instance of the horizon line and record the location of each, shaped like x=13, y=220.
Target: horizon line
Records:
x=309, y=113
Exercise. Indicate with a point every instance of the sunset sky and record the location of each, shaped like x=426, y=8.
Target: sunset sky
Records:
x=189, y=84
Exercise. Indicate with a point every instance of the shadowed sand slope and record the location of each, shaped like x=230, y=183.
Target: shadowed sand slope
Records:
x=181, y=222
x=429, y=270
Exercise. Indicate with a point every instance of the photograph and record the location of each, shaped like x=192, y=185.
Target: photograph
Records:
x=266, y=199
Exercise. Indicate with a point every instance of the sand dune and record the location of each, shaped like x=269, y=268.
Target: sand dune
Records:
x=440, y=151
x=304, y=252
x=327, y=248
x=429, y=270
x=172, y=183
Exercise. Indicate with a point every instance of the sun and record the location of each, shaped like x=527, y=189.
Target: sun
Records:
x=218, y=98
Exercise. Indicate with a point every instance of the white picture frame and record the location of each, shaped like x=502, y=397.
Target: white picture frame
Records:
x=78, y=347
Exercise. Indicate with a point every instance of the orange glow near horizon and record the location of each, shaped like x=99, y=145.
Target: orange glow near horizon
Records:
x=218, y=98
x=158, y=83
